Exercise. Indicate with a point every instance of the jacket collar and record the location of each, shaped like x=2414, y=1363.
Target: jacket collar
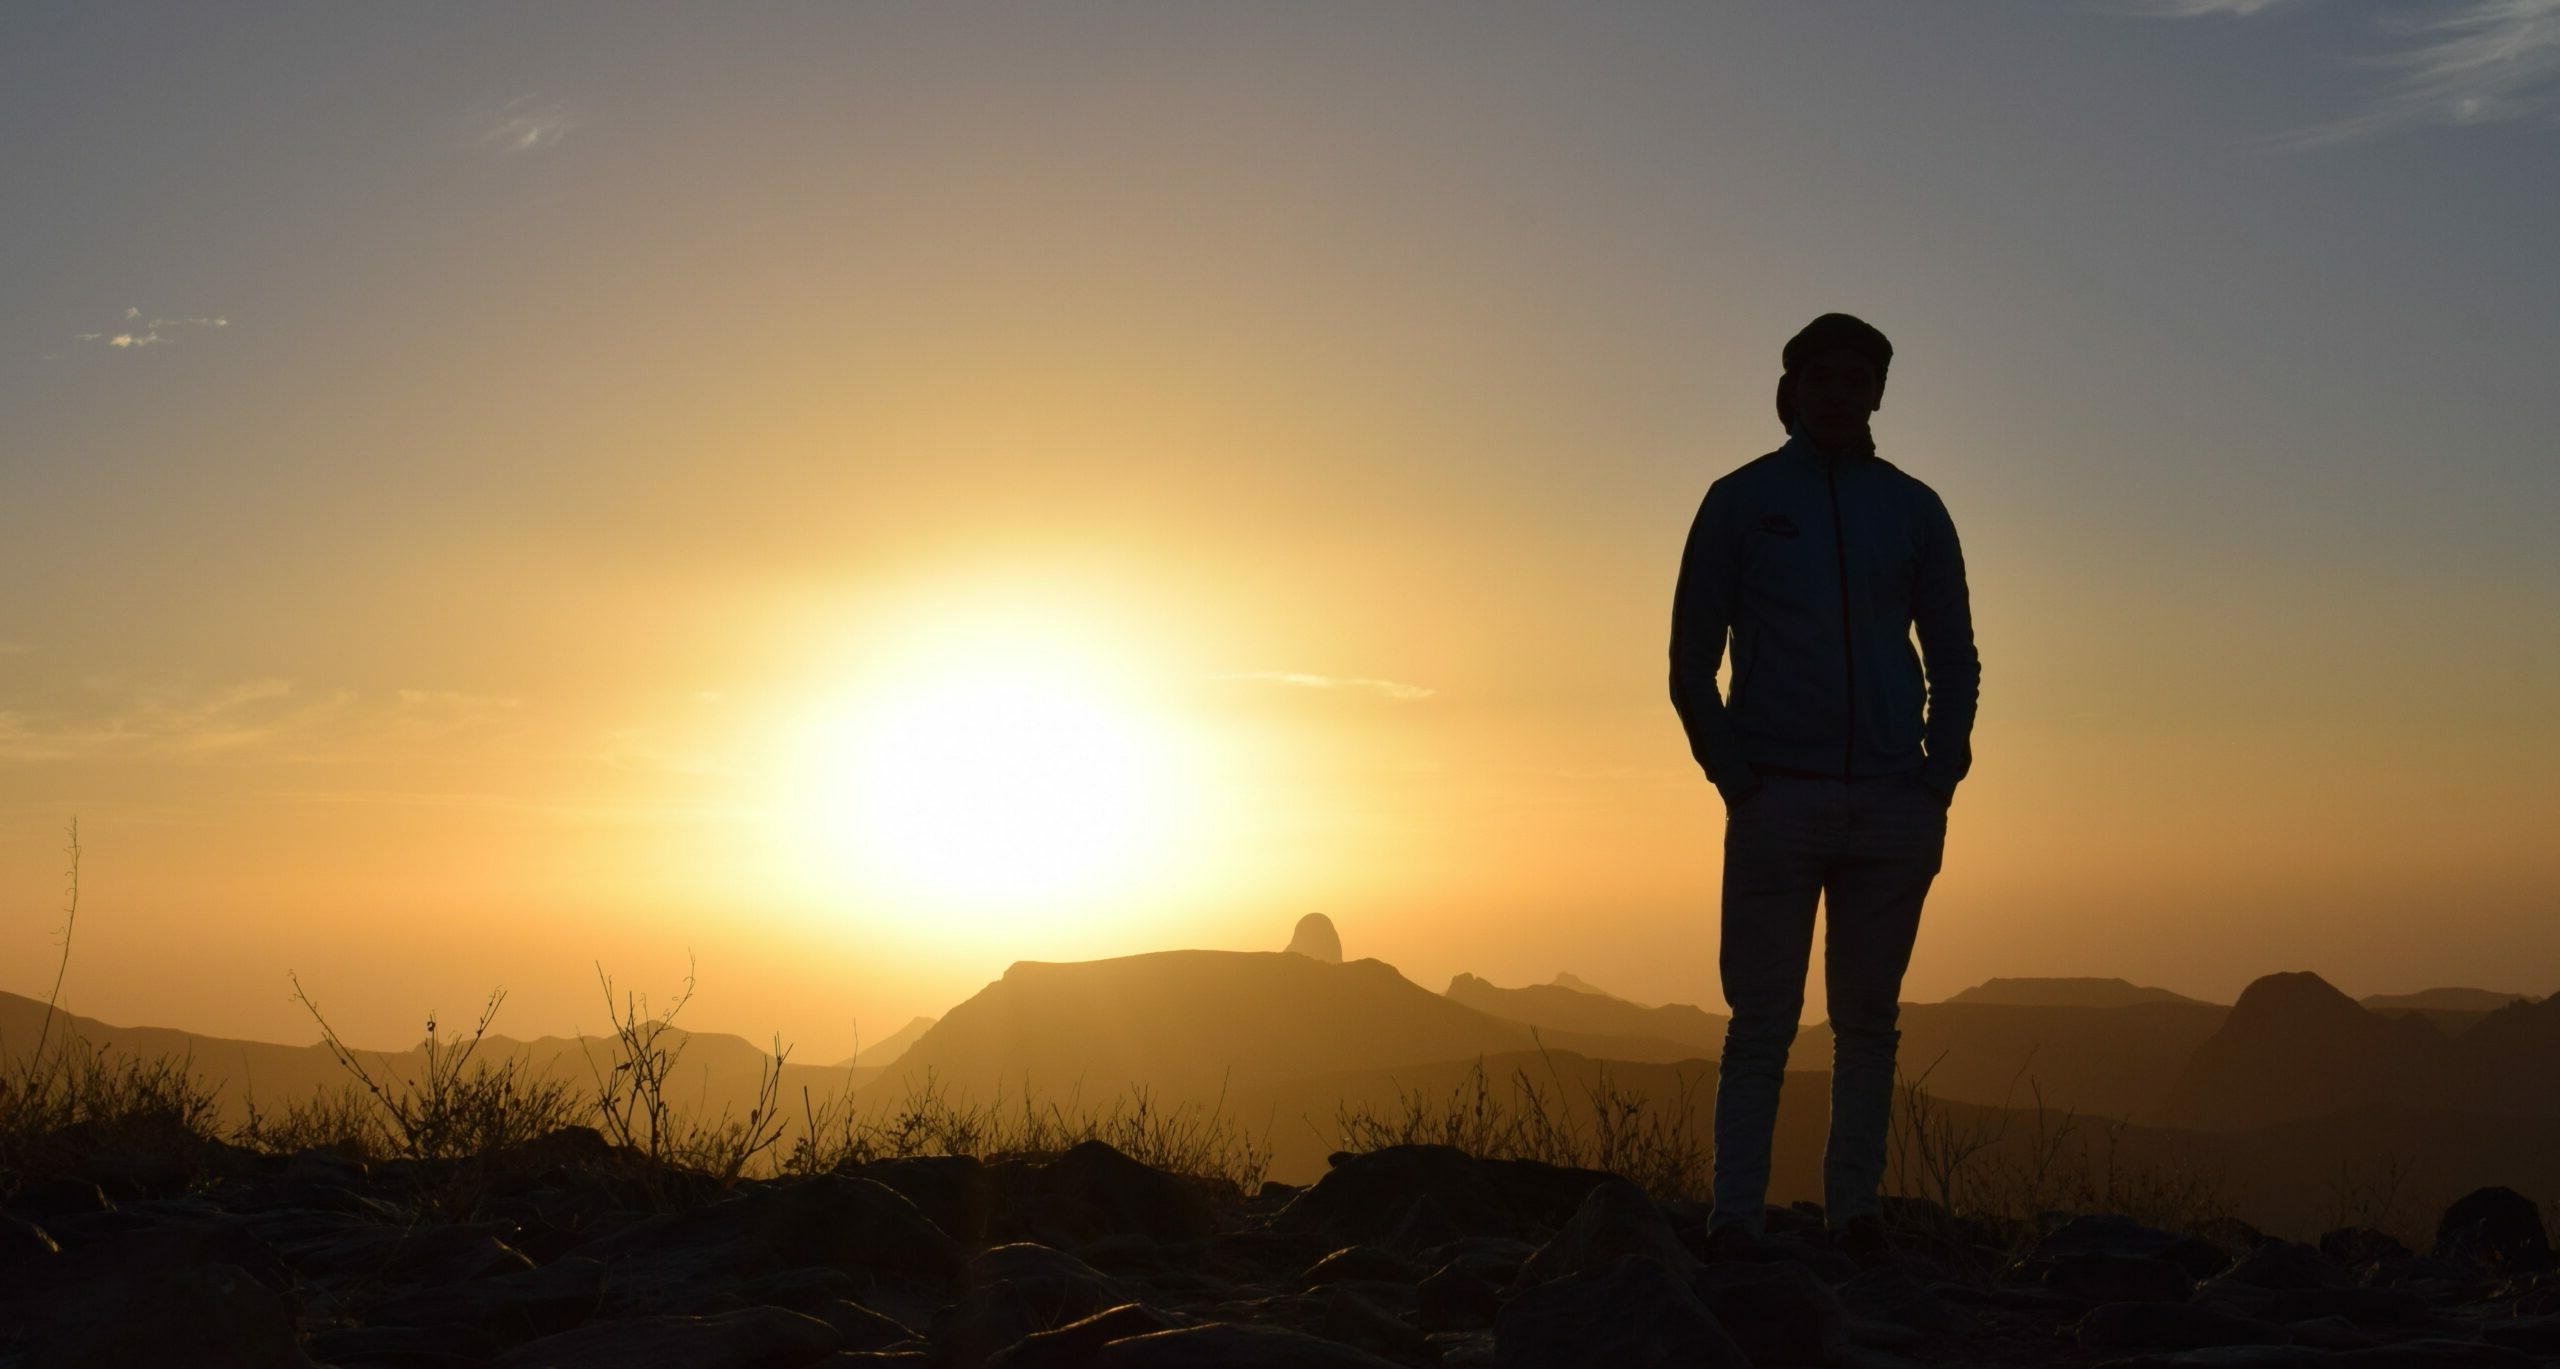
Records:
x=1805, y=449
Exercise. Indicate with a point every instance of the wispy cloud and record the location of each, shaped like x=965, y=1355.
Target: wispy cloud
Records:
x=1392, y=689
x=595, y=809
x=135, y=330
x=167, y=724
x=262, y=720
x=2182, y=9
x=527, y=123
x=2462, y=63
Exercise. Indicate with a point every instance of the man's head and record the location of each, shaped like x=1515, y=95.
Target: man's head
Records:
x=1834, y=378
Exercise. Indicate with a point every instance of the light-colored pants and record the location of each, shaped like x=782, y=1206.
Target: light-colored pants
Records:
x=1867, y=850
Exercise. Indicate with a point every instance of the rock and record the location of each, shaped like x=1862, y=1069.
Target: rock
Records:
x=1366, y=1197
x=860, y=1327
x=1227, y=1345
x=1093, y=1191
x=404, y=1347
x=954, y=1192
x=1461, y=1349
x=1637, y=1315
x=365, y=1255
x=1017, y=1291
x=1884, y=1335
x=1317, y=940
x=1075, y=1345
x=2286, y=1265
x=2434, y=1353
x=25, y=1248
x=510, y=1308
x=2229, y=1357
x=1456, y=1297
x=1423, y=1227
x=2112, y=1235
x=1361, y=1263
x=2374, y=1307
x=2498, y=1227
x=798, y=1289
x=212, y=1314
x=752, y=1338
x=153, y=1155
x=2103, y=1277
x=55, y=1196
x=2532, y=1335
x=1615, y=1220
x=2331, y=1333
x=2356, y=1245
x=834, y=1220
x=1355, y=1320
x=2171, y=1326
x=1777, y=1313
x=104, y=1268
x=1893, y=1293
x=2534, y=1295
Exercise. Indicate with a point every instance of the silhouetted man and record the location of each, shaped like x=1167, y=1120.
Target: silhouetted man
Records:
x=1836, y=751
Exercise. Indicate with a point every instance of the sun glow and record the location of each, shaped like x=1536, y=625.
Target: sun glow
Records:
x=991, y=781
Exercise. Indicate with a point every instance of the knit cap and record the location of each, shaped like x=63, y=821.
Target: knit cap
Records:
x=1831, y=332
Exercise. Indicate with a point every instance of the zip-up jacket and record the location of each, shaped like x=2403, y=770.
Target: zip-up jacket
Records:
x=1819, y=567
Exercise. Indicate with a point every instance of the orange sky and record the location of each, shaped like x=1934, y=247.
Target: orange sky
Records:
x=590, y=432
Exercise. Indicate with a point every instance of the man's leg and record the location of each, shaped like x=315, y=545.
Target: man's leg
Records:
x=1772, y=880
x=1897, y=835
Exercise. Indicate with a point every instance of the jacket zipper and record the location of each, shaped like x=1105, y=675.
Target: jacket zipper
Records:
x=1848, y=655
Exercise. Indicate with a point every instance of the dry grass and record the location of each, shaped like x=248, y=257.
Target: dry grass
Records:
x=1597, y=1125
x=1200, y=1142
x=456, y=1106
x=2012, y=1170
x=82, y=1099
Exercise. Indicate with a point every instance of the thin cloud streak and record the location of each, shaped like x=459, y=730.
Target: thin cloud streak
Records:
x=1392, y=689
x=260, y=721
x=527, y=124
x=2479, y=62
x=147, y=332
x=2187, y=9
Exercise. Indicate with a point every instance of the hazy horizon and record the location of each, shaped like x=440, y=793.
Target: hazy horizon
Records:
x=491, y=491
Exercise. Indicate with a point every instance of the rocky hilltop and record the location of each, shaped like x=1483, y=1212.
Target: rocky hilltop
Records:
x=1189, y=1023
x=2295, y=1048
x=569, y=1253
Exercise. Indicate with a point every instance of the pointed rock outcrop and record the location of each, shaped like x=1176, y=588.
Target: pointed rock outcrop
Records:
x=1317, y=940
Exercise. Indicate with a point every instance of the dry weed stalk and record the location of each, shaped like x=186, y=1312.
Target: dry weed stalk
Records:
x=631, y=1098
x=455, y=1107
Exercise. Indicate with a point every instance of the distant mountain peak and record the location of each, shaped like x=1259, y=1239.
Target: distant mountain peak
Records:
x=2447, y=1000
x=1566, y=979
x=2294, y=993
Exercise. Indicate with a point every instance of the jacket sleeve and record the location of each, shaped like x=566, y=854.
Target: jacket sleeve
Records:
x=1942, y=611
x=1701, y=617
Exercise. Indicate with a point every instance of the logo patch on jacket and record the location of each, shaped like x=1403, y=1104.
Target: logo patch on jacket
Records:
x=1778, y=524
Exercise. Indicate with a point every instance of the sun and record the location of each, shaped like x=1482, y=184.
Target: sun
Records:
x=1002, y=778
